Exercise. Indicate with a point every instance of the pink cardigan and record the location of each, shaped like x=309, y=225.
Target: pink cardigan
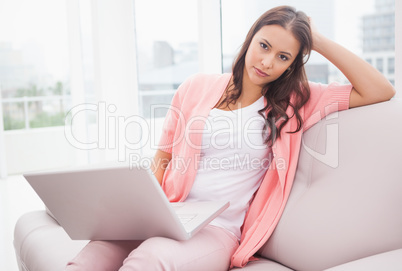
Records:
x=182, y=136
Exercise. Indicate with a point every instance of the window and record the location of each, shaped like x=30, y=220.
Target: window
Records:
x=125, y=53
x=33, y=63
x=167, y=50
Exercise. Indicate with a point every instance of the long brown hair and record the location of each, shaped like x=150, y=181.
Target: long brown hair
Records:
x=292, y=82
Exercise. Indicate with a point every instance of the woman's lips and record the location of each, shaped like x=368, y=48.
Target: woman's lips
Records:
x=260, y=72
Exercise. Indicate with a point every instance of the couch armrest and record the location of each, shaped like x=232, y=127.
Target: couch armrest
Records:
x=41, y=244
x=390, y=261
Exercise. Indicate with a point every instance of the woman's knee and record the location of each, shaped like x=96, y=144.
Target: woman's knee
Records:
x=102, y=255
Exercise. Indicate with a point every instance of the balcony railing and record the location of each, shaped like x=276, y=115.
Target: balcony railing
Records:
x=21, y=111
x=13, y=108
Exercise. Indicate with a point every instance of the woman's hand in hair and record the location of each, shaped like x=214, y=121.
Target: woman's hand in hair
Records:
x=316, y=35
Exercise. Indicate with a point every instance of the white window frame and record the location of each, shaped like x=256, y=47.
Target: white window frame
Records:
x=210, y=36
x=114, y=74
x=3, y=162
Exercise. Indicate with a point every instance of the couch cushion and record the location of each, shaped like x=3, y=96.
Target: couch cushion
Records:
x=41, y=244
x=346, y=199
x=389, y=261
x=263, y=265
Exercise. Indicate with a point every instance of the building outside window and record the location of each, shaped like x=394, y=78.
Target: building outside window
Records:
x=378, y=38
x=391, y=65
x=379, y=64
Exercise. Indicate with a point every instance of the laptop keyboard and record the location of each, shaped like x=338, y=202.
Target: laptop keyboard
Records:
x=185, y=218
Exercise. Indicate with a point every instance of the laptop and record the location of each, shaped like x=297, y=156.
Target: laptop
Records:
x=118, y=203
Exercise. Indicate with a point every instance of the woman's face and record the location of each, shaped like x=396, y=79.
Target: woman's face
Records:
x=272, y=50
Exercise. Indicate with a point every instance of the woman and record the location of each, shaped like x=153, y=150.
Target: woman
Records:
x=236, y=137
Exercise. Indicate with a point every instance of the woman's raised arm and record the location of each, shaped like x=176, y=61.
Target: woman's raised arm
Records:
x=369, y=85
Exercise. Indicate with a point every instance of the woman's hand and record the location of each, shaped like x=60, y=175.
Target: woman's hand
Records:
x=315, y=34
x=160, y=161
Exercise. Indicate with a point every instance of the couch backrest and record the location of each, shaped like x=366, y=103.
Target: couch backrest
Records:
x=346, y=201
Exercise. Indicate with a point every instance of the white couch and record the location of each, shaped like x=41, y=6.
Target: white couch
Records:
x=344, y=212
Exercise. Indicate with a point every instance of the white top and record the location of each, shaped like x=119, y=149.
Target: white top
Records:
x=233, y=162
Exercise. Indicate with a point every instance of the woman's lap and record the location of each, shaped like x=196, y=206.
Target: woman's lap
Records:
x=210, y=249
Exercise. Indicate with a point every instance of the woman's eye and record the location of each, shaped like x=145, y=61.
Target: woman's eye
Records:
x=263, y=45
x=283, y=57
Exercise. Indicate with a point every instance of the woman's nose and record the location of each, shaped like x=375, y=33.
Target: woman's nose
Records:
x=268, y=61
